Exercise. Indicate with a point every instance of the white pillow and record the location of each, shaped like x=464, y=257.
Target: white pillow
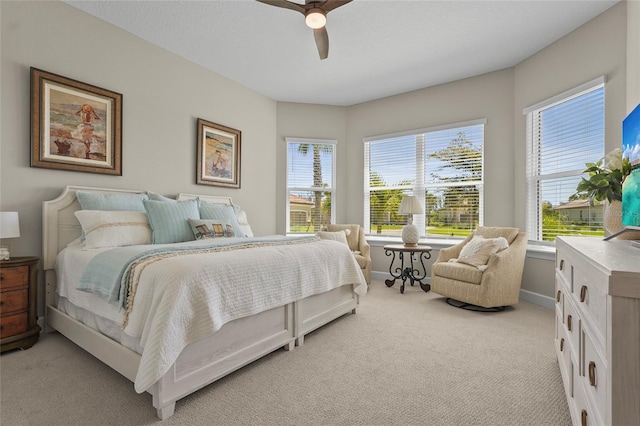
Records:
x=114, y=228
x=336, y=236
x=478, y=250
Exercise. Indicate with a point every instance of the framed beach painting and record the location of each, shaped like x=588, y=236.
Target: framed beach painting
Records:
x=74, y=125
x=218, y=161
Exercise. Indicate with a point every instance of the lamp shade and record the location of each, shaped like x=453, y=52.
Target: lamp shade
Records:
x=9, y=225
x=410, y=205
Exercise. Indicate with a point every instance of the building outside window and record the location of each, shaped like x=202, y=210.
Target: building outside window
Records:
x=310, y=184
x=563, y=134
x=442, y=166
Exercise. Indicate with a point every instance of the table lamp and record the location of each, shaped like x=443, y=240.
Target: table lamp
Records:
x=9, y=228
x=410, y=234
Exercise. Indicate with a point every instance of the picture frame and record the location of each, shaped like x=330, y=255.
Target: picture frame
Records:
x=218, y=155
x=74, y=125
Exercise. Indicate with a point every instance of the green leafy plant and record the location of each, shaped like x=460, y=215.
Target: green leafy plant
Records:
x=605, y=177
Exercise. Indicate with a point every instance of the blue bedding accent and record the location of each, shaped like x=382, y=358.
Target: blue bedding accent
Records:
x=107, y=274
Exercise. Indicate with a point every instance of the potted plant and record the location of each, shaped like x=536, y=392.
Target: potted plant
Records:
x=605, y=183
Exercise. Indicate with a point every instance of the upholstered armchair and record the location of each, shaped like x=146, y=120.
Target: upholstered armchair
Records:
x=358, y=245
x=493, y=284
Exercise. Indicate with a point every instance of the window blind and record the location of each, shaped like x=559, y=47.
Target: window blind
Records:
x=442, y=166
x=310, y=184
x=563, y=135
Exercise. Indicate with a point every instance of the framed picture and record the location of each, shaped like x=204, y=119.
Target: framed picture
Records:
x=218, y=161
x=74, y=126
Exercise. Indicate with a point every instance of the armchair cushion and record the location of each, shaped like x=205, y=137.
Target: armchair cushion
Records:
x=458, y=271
x=477, y=251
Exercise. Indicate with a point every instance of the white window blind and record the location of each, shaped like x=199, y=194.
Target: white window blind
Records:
x=310, y=184
x=442, y=166
x=563, y=134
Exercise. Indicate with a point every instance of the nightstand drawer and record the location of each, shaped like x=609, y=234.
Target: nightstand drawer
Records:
x=14, y=277
x=13, y=324
x=14, y=301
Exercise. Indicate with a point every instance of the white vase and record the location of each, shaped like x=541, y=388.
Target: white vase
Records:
x=612, y=221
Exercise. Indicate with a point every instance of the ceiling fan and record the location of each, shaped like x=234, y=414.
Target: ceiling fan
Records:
x=315, y=16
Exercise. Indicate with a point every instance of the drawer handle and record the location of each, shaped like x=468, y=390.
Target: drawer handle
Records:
x=569, y=322
x=561, y=264
x=584, y=417
x=562, y=344
x=592, y=373
x=583, y=293
x=558, y=296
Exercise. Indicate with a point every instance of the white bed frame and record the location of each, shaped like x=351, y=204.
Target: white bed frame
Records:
x=236, y=344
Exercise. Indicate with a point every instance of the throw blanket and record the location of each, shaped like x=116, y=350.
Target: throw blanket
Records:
x=186, y=294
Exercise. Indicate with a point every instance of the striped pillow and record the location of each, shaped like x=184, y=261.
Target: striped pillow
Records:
x=114, y=228
x=170, y=221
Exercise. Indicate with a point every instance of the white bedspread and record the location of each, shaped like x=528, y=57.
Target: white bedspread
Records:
x=185, y=297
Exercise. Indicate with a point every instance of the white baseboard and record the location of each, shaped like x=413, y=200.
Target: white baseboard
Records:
x=525, y=295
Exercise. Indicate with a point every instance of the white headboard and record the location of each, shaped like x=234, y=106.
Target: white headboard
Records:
x=60, y=226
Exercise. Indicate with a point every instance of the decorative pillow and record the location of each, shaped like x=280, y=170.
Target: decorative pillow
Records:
x=221, y=212
x=243, y=222
x=170, y=221
x=478, y=250
x=114, y=228
x=157, y=197
x=106, y=202
x=211, y=228
x=336, y=236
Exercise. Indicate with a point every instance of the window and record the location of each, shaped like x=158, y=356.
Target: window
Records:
x=442, y=166
x=310, y=184
x=563, y=134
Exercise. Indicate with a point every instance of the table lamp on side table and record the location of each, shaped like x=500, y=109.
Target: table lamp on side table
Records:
x=9, y=228
x=410, y=234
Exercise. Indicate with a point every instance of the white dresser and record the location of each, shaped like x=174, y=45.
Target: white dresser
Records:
x=598, y=329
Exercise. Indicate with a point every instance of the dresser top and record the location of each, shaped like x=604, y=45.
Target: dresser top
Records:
x=614, y=256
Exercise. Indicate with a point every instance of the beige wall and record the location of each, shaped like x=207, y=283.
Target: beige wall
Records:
x=633, y=54
x=163, y=95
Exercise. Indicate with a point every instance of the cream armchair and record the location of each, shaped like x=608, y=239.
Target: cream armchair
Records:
x=358, y=245
x=492, y=286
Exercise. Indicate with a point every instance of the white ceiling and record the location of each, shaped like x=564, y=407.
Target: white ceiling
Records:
x=377, y=48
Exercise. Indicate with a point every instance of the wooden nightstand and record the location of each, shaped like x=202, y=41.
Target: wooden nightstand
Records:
x=18, y=303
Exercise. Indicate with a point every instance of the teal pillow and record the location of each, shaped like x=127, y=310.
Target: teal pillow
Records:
x=170, y=221
x=223, y=212
x=110, y=202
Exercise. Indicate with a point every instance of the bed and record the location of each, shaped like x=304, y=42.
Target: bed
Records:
x=220, y=338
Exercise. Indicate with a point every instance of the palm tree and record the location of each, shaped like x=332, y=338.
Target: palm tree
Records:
x=303, y=148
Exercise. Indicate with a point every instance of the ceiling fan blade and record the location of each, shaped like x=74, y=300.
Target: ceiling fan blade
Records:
x=284, y=4
x=322, y=41
x=329, y=5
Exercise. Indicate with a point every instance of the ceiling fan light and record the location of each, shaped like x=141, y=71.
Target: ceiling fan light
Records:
x=315, y=18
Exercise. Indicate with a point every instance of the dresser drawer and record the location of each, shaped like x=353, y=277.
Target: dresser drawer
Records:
x=589, y=289
x=14, y=277
x=571, y=323
x=563, y=351
x=14, y=301
x=594, y=374
x=560, y=299
x=564, y=268
x=13, y=324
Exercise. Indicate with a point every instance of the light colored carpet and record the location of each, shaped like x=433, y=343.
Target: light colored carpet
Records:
x=403, y=359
